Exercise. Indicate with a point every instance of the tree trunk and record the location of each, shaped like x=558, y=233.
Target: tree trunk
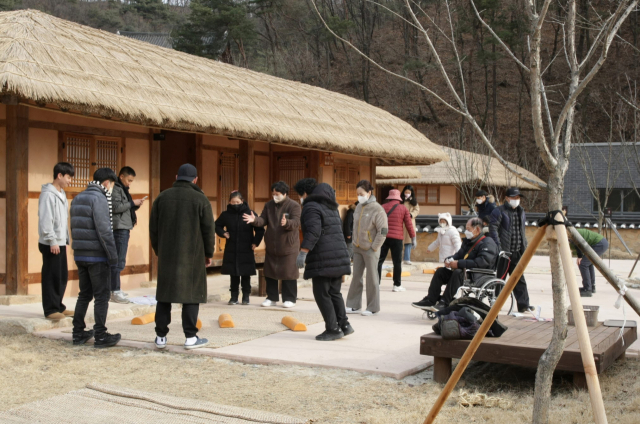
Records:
x=551, y=356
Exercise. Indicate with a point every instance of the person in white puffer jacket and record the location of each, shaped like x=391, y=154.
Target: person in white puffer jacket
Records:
x=448, y=238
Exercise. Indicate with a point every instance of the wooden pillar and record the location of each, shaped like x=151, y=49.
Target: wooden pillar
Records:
x=199, y=158
x=374, y=164
x=247, y=165
x=314, y=165
x=17, y=199
x=154, y=190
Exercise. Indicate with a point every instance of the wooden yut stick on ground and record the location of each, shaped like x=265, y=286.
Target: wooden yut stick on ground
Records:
x=604, y=270
x=486, y=324
x=591, y=374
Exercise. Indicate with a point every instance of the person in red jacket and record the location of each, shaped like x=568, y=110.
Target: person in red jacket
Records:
x=397, y=216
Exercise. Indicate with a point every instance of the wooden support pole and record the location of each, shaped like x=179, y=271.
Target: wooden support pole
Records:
x=154, y=191
x=17, y=195
x=505, y=293
x=247, y=171
x=590, y=371
x=602, y=267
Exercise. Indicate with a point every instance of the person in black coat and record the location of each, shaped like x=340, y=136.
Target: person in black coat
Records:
x=483, y=206
x=477, y=251
x=325, y=254
x=238, y=261
x=347, y=228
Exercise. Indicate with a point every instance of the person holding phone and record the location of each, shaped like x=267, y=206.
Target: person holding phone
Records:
x=124, y=219
x=281, y=216
x=239, y=261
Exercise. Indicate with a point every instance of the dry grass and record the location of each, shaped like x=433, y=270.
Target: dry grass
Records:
x=35, y=368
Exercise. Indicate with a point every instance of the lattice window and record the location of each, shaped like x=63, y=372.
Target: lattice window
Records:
x=229, y=179
x=291, y=169
x=354, y=177
x=421, y=194
x=346, y=176
x=87, y=153
x=433, y=195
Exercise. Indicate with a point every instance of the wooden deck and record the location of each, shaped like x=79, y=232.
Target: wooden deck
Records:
x=523, y=344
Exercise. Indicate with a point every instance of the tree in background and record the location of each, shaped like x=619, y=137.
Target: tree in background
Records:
x=217, y=29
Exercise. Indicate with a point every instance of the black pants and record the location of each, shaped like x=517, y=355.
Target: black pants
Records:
x=95, y=283
x=326, y=292
x=289, y=290
x=397, y=250
x=246, y=284
x=453, y=280
x=122, y=245
x=54, y=279
x=520, y=290
x=189, y=319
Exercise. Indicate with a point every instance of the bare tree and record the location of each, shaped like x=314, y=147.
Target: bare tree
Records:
x=469, y=166
x=552, y=127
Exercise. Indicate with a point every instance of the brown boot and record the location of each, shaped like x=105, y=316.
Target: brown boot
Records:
x=67, y=313
x=56, y=316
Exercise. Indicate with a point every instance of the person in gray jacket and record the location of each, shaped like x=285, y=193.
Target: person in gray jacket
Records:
x=94, y=250
x=124, y=219
x=53, y=238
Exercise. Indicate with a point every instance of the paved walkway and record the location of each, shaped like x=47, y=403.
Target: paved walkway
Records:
x=386, y=344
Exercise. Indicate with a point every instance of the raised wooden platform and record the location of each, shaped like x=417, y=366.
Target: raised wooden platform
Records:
x=524, y=343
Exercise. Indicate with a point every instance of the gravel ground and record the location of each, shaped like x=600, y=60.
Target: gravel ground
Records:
x=35, y=368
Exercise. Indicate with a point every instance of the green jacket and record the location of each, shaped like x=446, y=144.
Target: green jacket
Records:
x=182, y=234
x=591, y=237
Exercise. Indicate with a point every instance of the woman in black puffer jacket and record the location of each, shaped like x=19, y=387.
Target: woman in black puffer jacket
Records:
x=325, y=253
x=242, y=238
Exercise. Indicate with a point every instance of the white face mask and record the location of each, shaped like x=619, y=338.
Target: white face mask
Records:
x=479, y=201
x=468, y=234
x=514, y=203
x=444, y=224
x=407, y=196
x=301, y=200
x=278, y=198
x=362, y=199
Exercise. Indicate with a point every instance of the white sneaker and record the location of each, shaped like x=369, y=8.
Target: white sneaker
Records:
x=268, y=303
x=407, y=262
x=124, y=294
x=116, y=297
x=369, y=313
x=161, y=342
x=288, y=304
x=398, y=289
x=353, y=311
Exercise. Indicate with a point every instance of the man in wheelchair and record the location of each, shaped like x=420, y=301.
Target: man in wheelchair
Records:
x=477, y=251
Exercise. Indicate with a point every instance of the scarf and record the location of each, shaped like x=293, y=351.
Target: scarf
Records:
x=108, y=195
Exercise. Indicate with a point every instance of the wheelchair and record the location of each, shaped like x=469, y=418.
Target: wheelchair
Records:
x=485, y=285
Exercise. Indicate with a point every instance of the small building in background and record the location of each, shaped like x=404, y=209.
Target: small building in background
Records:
x=449, y=186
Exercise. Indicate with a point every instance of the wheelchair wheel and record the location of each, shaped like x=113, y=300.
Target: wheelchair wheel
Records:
x=490, y=291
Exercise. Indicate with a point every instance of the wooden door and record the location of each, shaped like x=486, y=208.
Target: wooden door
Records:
x=229, y=178
x=177, y=148
x=291, y=168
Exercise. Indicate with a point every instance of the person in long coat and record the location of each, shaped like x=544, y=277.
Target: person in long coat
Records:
x=281, y=216
x=325, y=253
x=182, y=234
x=411, y=203
x=239, y=261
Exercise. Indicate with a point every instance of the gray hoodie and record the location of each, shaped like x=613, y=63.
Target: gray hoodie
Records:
x=53, y=217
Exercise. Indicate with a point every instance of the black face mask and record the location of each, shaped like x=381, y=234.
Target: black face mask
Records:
x=236, y=207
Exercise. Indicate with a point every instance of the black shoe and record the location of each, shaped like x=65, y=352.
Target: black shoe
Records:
x=328, y=336
x=347, y=329
x=585, y=292
x=81, y=339
x=440, y=305
x=234, y=299
x=425, y=304
x=524, y=309
x=107, y=340
x=245, y=298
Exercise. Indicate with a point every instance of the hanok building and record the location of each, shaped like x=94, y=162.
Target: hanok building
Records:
x=438, y=187
x=96, y=99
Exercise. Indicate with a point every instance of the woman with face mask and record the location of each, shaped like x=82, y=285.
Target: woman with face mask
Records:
x=281, y=216
x=411, y=203
x=448, y=239
x=241, y=240
x=369, y=232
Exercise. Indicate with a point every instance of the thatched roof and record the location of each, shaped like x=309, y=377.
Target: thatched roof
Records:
x=460, y=168
x=53, y=61
x=394, y=172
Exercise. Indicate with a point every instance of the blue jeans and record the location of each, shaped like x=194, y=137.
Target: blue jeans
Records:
x=587, y=270
x=407, y=251
x=122, y=245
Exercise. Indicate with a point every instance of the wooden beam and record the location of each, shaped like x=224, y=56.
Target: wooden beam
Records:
x=247, y=166
x=199, y=144
x=44, y=125
x=17, y=199
x=374, y=164
x=154, y=191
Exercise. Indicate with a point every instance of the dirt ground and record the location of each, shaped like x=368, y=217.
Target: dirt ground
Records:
x=35, y=368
